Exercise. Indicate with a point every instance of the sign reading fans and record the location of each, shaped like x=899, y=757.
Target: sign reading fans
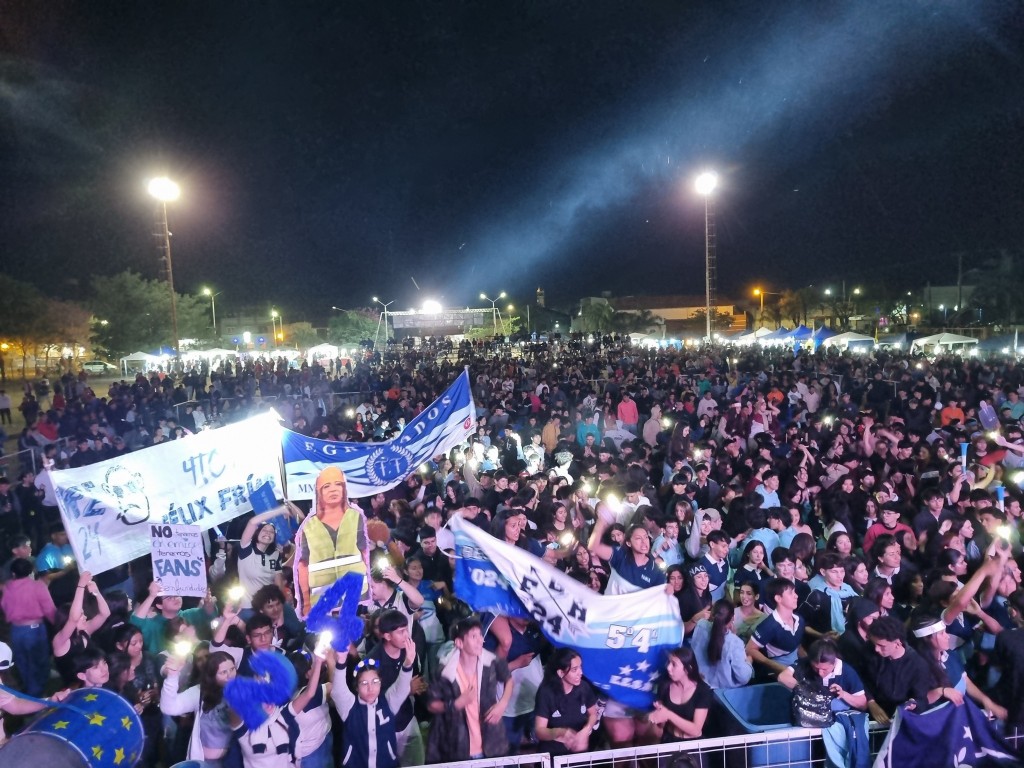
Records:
x=203, y=480
x=179, y=564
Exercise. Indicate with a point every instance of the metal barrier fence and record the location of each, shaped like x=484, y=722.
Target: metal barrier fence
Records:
x=536, y=760
x=13, y=464
x=784, y=748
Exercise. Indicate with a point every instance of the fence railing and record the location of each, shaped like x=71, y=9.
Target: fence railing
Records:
x=784, y=748
x=29, y=459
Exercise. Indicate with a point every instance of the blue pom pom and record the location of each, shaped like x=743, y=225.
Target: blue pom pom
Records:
x=275, y=684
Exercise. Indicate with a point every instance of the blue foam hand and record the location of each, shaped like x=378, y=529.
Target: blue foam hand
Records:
x=274, y=684
x=347, y=627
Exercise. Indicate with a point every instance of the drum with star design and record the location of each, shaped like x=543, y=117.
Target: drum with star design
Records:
x=91, y=728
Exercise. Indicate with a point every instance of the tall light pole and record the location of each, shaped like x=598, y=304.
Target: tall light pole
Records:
x=277, y=321
x=706, y=184
x=494, y=308
x=213, y=306
x=384, y=319
x=166, y=191
x=761, y=293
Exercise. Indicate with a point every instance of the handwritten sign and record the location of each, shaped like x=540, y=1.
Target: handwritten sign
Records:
x=178, y=563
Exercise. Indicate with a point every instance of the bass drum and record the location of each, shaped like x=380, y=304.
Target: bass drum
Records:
x=91, y=728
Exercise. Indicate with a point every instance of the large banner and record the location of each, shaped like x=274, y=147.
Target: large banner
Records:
x=371, y=468
x=621, y=638
x=945, y=735
x=203, y=480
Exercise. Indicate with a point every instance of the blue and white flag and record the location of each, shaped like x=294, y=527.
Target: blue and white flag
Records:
x=946, y=735
x=621, y=638
x=371, y=468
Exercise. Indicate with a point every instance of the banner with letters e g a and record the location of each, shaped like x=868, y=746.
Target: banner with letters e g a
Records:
x=203, y=480
x=622, y=639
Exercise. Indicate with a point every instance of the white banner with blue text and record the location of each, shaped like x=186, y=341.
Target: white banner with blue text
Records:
x=203, y=480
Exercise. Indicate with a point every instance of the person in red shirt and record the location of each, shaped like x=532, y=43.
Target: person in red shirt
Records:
x=627, y=413
x=889, y=522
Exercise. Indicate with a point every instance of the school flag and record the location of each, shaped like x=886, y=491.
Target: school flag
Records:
x=621, y=638
x=371, y=468
x=945, y=735
x=204, y=480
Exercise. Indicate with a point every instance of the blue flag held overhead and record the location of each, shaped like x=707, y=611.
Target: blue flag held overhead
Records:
x=372, y=468
x=622, y=639
x=264, y=500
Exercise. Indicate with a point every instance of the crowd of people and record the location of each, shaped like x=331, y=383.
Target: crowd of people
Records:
x=843, y=522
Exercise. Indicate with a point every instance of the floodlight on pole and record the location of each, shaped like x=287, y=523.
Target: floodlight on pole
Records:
x=494, y=308
x=213, y=306
x=761, y=293
x=384, y=319
x=706, y=184
x=277, y=326
x=166, y=191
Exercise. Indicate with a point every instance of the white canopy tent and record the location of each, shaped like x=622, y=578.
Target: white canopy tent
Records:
x=845, y=339
x=752, y=336
x=138, y=361
x=940, y=342
x=320, y=352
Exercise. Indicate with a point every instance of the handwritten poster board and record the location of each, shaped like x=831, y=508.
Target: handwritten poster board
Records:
x=178, y=563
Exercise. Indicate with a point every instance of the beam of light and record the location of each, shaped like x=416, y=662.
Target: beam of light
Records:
x=785, y=89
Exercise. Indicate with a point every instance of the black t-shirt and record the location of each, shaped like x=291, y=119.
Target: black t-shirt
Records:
x=893, y=682
x=701, y=699
x=690, y=603
x=563, y=710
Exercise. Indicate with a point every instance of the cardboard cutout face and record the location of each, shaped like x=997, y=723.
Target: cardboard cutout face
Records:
x=330, y=543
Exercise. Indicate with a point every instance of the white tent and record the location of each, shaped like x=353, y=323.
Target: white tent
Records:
x=939, y=342
x=139, y=361
x=752, y=336
x=845, y=339
x=321, y=351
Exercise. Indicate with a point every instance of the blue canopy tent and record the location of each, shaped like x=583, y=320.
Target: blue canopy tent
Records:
x=820, y=335
x=823, y=333
x=774, y=336
x=800, y=333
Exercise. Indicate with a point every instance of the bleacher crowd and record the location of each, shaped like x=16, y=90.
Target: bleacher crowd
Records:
x=843, y=522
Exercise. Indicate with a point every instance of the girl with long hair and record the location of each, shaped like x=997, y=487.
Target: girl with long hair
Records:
x=721, y=655
x=949, y=681
x=211, y=728
x=754, y=566
x=566, y=707
x=683, y=698
x=749, y=612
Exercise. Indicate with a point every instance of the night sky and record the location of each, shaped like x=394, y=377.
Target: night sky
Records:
x=331, y=151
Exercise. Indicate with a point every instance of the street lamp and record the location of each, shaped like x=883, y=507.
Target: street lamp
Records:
x=277, y=322
x=705, y=185
x=213, y=306
x=761, y=294
x=494, y=309
x=384, y=318
x=166, y=191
